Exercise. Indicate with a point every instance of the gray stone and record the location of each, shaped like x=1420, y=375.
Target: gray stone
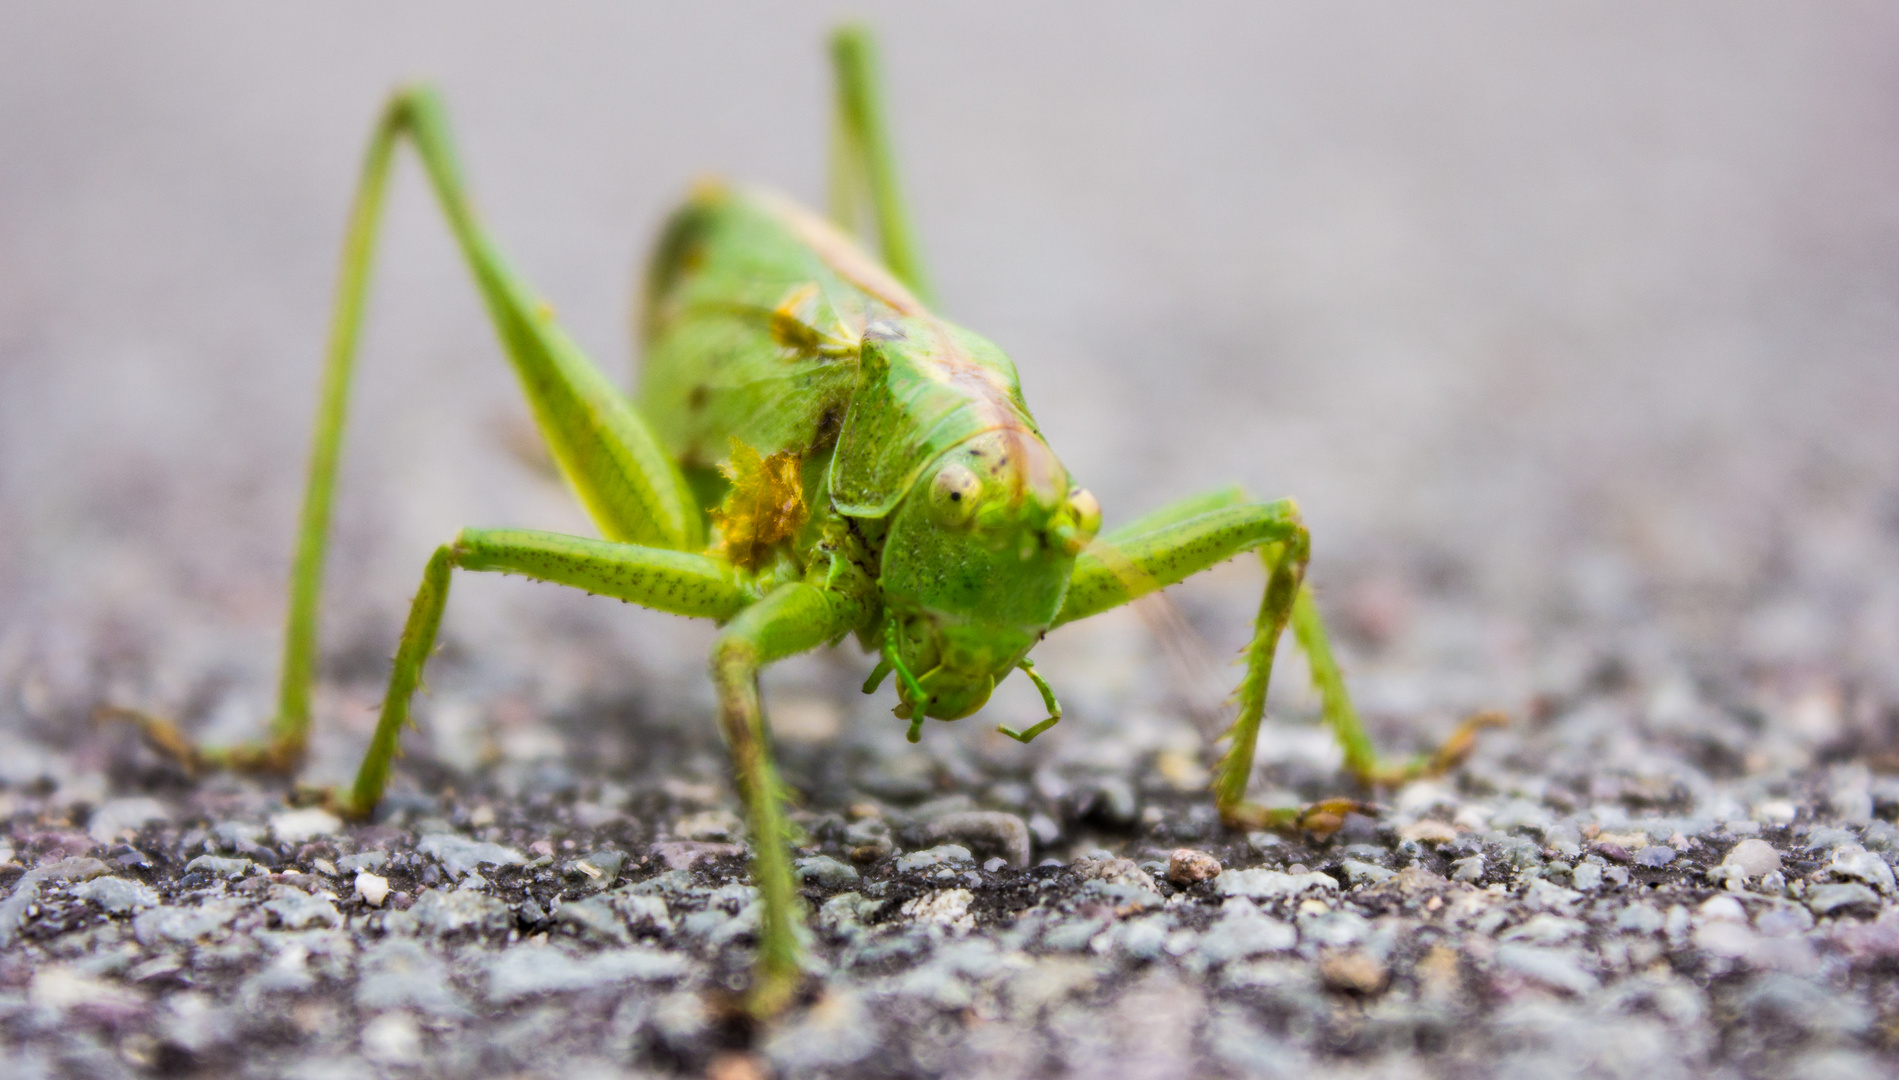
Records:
x=460, y=855
x=1250, y=1050
x=1784, y=920
x=1003, y=833
x=1655, y=855
x=238, y=832
x=447, y=911
x=679, y=1017
x=1586, y=876
x=304, y=824
x=1243, y=931
x=731, y=912
x=941, y=855
x=1520, y=813
x=1546, y=929
x=1853, y=861
x=194, y=1022
x=1073, y=935
x=1364, y=873
x=675, y=882
x=1263, y=884
x=522, y=972
x=1827, y=837
x=185, y=924
x=399, y=973
x=1114, y=801
x=1123, y=896
x=1559, y=968
x=1639, y=919
x=116, y=816
x=641, y=909
x=679, y=855
x=79, y=868
x=1519, y=853
x=219, y=866
x=835, y=1032
x=296, y=909
x=1827, y=899
x=1675, y=923
x=1335, y=929
x=362, y=860
x=117, y=895
x=595, y=917
x=1806, y=1004
x=826, y=871
x=1545, y=895
x=1144, y=938
x=1047, y=831
x=1110, y=869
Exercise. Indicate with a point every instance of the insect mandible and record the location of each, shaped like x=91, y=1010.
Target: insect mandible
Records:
x=869, y=468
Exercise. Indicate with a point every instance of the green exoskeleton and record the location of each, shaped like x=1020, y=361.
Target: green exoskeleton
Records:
x=869, y=469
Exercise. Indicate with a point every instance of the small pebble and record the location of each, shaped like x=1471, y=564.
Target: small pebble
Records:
x=1586, y=876
x=1723, y=909
x=1827, y=899
x=1429, y=832
x=299, y=826
x=826, y=871
x=1655, y=855
x=1354, y=972
x=1187, y=867
x=1853, y=861
x=372, y=888
x=1753, y=858
x=932, y=857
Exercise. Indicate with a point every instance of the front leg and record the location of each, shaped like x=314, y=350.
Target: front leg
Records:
x=680, y=582
x=791, y=619
x=1175, y=543
x=1168, y=547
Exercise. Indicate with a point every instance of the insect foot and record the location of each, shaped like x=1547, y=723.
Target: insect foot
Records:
x=1321, y=819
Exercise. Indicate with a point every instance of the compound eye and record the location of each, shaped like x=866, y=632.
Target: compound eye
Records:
x=953, y=495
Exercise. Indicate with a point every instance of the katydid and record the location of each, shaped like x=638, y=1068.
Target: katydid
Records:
x=812, y=454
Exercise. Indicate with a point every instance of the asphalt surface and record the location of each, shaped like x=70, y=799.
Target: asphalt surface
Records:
x=1572, y=330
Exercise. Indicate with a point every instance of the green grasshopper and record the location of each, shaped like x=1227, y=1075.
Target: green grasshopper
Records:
x=870, y=469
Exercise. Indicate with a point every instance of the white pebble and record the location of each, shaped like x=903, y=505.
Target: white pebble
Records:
x=1753, y=858
x=300, y=826
x=372, y=888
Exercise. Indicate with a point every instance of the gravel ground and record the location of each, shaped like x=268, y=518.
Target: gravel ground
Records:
x=1644, y=875
x=1572, y=331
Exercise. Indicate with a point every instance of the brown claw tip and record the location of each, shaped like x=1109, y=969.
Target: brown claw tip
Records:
x=1463, y=741
x=161, y=735
x=1322, y=819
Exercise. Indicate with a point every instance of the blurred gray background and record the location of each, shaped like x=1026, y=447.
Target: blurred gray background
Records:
x=1582, y=315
